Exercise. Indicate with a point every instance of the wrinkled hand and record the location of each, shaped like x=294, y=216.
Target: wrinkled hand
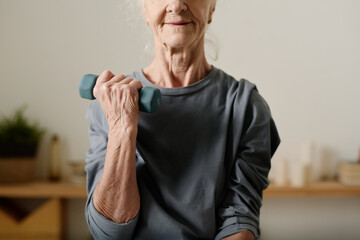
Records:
x=119, y=99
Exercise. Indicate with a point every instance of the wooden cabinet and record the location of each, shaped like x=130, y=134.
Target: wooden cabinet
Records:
x=45, y=222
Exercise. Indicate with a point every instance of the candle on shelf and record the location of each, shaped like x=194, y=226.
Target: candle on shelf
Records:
x=299, y=174
x=280, y=176
x=55, y=159
x=309, y=157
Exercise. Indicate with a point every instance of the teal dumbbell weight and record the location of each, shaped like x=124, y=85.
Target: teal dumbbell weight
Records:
x=149, y=98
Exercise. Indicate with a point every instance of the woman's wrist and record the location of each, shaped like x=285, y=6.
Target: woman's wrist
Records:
x=122, y=130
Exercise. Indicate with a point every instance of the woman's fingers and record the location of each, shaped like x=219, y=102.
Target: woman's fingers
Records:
x=107, y=82
x=117, y=78
x=104, y=77
x=136, y=84
x=100, y=87
x=103, y=84
x=118, y=96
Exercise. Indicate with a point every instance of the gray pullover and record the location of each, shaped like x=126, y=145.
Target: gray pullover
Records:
x=202, y=162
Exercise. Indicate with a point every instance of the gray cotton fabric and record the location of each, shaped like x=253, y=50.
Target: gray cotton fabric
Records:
x=202, y=162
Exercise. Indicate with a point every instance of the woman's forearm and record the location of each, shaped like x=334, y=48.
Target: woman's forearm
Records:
x=116, y=195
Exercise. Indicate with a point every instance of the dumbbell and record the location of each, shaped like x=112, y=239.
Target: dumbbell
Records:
x=149, y=98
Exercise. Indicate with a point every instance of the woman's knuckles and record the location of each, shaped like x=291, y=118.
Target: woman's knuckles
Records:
x=118, y=97
x=106, y=75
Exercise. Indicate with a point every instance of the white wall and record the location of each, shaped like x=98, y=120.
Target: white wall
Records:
x=304, y=56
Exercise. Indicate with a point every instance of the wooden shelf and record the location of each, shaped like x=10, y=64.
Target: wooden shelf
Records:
x=69, y=190
x=325, y=188
x=43, y=189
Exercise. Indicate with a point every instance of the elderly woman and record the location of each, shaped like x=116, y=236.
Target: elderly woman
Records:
x=195, y=169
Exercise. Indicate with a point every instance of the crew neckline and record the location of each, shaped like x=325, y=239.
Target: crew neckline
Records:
x=180, y=90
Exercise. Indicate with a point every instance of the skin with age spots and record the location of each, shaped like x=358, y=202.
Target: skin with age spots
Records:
x=178, y=25
x=179, y=30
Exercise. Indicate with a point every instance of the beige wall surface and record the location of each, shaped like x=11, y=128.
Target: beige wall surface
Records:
x=303, y=55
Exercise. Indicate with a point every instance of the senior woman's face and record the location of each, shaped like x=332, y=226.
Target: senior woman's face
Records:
x=178, y=23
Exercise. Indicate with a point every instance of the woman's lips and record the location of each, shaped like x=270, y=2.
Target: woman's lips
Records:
x=178, y=23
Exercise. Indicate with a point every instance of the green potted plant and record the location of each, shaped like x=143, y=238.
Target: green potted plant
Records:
x=19, y=140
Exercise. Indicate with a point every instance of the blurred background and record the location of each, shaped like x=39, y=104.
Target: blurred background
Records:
x=303, y=55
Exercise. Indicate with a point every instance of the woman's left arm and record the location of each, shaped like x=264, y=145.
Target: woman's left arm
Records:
x=240, y=208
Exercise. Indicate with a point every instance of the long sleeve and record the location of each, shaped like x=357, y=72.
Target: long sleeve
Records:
x=100, y=227
x=248, y=177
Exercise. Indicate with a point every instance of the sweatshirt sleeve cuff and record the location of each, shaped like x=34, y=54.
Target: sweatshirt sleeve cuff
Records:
x=232, y=226
x=104, y=228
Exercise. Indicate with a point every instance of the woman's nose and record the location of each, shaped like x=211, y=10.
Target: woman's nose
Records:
x=176, y=6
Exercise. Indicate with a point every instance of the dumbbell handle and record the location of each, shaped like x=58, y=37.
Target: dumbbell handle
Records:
x=149, y=98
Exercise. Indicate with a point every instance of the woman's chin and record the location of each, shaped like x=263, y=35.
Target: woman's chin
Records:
x=179, y=42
